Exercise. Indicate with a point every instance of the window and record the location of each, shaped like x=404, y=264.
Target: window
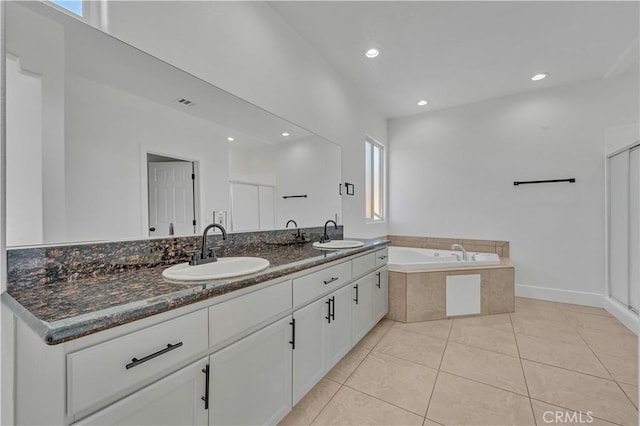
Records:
x=93, y=12
x=374, y=180
x=74, y=6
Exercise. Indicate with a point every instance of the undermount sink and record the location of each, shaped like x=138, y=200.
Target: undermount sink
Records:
x=224, y=267
x=338, y=244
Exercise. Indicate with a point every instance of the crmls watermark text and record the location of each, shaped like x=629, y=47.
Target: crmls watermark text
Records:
x=565, y=417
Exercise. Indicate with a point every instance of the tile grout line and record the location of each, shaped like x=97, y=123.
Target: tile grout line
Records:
x=588, y=347
x=345, y=381
x=569, y=369
x=327, y=403
x=435, y=381
x=422, y=334
x=526, y=383
x=628, y=397
x=601, y=363
x=576, y=330
x=384, y=400
x=485, y=384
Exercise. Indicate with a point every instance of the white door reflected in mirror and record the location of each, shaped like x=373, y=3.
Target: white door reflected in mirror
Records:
x=171, y=198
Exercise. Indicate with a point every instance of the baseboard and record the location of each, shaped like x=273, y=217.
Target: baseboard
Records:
x=622, y=314
x=563, y=296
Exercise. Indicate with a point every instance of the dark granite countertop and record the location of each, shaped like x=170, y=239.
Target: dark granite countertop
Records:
x=63, y=311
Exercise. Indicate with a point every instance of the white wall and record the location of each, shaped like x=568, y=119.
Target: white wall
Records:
x=452, y=174
x=106, y=148
x=247, y=49
x=24, y=193
x=620, y=137
x=42, y=52
x=308, y=166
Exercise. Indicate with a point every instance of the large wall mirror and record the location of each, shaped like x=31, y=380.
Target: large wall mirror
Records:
x=105, y=142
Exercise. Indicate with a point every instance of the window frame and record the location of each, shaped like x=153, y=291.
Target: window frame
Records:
x=92, y=12
x=370, y=192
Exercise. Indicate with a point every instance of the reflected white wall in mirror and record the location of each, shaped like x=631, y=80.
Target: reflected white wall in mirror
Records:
x=306, y=168
x=85, y=109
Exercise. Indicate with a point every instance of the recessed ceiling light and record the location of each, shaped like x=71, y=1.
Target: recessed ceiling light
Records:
x=230, y=139
x=372, y=53
x=285, y=134
x=539, y=76
x=422, y=103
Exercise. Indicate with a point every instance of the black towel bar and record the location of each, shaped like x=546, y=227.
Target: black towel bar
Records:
x=572, y=180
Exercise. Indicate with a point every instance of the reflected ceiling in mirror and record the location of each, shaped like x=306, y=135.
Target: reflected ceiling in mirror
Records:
x=87, y=114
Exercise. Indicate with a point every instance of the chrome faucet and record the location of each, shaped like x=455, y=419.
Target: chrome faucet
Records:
x=207, y=255
x=464, y=252
x=325, y=238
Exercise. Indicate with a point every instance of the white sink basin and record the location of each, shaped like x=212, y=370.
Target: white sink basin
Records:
x=225, y=267
x=338, y=244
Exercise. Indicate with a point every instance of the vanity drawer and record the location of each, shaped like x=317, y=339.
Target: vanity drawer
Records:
x=364, y=264
x=310, y=286
x=237, y=315
x=382, y=257
x=100, y=371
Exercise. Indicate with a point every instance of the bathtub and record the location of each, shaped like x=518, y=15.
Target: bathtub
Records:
x=417, y=259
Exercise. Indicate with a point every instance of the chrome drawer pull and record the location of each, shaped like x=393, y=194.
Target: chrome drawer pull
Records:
x=136, y=361
x=329, y=281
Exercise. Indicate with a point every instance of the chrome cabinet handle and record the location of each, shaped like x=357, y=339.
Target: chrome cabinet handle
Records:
x=356, y=299
x=135, y=361
x=378, y=284
x=330, y=280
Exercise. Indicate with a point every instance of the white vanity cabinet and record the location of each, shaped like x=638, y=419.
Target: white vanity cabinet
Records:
x=250, y=380
x=244, y=358
x=178, y=399
x=362, y=306
x=322, y=337
x=381, y=294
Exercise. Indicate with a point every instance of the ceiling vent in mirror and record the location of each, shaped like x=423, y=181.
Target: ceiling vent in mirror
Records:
x=184, y=101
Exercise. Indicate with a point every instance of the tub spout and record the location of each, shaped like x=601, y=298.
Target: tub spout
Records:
x=464, y=252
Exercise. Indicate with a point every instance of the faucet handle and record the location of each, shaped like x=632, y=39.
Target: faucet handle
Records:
x=211, y=252
x=193, y=256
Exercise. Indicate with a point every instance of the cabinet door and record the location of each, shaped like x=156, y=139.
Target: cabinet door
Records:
x=338, y=331
x=308, y=360
x=250, y=381
x=381, y=294
x=174, y=400
x=362, y=306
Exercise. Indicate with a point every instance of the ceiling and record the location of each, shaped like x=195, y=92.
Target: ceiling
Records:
x=453, y=53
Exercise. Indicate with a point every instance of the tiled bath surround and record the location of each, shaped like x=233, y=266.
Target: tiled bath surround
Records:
x=421, y=295
x=501, y=248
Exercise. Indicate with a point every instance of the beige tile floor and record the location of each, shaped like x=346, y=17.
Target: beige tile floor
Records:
x=545, y=360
